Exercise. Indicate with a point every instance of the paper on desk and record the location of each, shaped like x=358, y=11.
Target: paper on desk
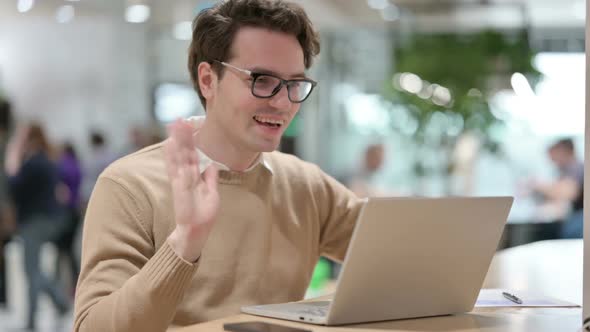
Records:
x=494, y=298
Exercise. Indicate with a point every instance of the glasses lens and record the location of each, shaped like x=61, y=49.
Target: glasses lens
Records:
x=265, y=86
x=299, y=90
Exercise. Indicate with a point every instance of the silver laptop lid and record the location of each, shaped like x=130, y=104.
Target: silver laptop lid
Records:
x=416, y=257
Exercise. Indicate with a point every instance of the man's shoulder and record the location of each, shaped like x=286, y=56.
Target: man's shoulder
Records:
x=145, y=165
x=293, y=170
x=289, y=164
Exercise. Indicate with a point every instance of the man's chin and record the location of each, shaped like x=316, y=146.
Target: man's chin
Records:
x=270, y=148
x=267, y=146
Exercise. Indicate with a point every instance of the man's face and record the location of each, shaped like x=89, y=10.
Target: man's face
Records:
x=243, y=118
x=559, y=156
x=374, y=157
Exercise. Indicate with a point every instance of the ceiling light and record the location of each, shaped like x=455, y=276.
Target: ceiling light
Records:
x=390, y=13
x=378, y=4
x=24, y=6
x=137, y=13
x=65, y=14
x=183, y=30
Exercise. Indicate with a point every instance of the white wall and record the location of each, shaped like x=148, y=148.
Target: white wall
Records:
x=90, y=73
x=171, y=56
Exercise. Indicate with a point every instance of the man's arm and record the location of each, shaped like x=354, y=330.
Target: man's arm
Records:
x=566, y=188
x=339, y=209
x=15, y=150
x=196, y=199
x=125, y=285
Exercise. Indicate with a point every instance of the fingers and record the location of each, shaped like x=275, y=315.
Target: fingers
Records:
x=170, y=158
x=183, y=173
x=195, y=195
x=186, y=179
x=180, y=151
x=210, y=176
x=182, y=131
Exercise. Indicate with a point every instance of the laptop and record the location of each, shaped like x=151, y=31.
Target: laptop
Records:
x=408, y=257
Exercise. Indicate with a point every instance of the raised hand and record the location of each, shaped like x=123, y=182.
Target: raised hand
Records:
x=195, y=195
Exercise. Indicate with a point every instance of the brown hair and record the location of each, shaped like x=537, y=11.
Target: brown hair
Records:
x=38, y=140
x=214, y=30
x=564, y=143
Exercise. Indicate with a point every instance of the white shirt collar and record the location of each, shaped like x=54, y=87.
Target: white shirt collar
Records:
x=205, y=161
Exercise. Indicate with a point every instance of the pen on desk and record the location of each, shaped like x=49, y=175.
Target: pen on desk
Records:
x=512, y=297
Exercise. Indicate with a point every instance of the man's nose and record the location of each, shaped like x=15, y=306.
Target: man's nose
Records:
x=281, y=99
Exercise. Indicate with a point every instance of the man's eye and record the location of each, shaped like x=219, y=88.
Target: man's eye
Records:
x=264, y=79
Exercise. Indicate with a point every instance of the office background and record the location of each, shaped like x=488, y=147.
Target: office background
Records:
x=458, y=97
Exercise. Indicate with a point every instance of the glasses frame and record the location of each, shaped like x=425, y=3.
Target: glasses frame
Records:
x=283, y=82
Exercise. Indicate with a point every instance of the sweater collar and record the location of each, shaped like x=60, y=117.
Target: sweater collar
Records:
x=205, y=161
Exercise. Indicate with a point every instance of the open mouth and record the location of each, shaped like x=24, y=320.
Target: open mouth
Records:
x=264, y=121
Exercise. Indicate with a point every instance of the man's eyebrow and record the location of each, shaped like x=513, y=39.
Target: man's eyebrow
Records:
x=259, y=70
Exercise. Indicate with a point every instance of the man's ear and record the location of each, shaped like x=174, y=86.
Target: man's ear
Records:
x=207, y=79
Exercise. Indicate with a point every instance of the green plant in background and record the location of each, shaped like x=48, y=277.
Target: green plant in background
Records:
x=442, y=82
x=321, y=275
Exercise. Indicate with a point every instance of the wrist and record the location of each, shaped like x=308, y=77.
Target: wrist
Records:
x=185, y=245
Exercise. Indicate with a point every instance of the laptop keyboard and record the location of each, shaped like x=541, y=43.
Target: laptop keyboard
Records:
x=317, y=309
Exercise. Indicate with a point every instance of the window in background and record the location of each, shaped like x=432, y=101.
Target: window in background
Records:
x=556, y=107
x=174, y=100
x=534, y=120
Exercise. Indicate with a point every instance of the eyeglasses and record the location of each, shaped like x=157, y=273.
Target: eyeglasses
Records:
x=266, y=85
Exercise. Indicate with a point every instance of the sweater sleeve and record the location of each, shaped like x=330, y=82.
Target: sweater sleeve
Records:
x=125, y=284
x=339, y=208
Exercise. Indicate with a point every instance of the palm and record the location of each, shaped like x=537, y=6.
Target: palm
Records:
x=196, y=200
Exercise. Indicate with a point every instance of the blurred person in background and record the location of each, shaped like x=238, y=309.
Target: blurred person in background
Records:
x=101, y=156
x=71, y=176
x=365, y=183
x=7, y=215
x=137, y=139
x=154, y=135
x=140, y=137
x=215, y=218
x=569, y=187
x=34, y=181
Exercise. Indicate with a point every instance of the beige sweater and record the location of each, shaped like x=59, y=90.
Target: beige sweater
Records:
x=271, y=229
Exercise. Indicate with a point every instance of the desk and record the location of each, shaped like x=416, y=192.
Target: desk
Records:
x=552, y=268
x=488, y=320
x=537, y=267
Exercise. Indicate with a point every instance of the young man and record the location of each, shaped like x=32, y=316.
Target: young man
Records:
x=568, y=188
x=212, y=219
